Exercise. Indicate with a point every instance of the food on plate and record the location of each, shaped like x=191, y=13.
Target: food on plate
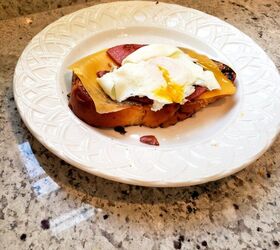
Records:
x=149, y=139
x=151, y=85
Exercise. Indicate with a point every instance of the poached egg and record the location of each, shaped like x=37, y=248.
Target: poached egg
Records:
x=163, y=73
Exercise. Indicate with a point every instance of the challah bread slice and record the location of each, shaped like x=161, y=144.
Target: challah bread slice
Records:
x=137, y=114
x=133, y=112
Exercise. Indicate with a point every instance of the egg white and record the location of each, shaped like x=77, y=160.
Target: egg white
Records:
x=163, y=73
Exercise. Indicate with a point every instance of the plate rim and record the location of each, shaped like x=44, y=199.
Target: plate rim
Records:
x=96, y=172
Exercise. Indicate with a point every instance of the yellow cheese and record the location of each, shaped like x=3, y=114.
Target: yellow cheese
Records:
x=227, y=86
x=86, y=69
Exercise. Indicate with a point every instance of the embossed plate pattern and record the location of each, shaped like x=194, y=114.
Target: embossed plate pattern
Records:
x=188, y=155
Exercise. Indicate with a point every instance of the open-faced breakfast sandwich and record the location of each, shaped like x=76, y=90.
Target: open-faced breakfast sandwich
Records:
x=154, y=85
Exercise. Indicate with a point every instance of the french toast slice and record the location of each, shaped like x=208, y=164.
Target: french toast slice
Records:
x=87, y=97
x=137, y=113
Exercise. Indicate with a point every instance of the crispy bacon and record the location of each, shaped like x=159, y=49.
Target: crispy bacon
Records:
x=120, y=52
x=149, y=139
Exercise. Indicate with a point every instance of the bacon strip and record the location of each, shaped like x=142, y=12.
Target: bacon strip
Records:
x=199, y=90
x=120, y=52
x=149, y=139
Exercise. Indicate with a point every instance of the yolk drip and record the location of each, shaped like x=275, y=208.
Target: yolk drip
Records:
x=172, y=92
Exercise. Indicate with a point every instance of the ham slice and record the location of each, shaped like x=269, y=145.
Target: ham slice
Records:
x=120, y=52
x=149, y=139
x=102, y=73
x=142, y=100
x=199, y=90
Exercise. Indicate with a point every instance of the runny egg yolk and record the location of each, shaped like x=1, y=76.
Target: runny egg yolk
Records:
x=172, y=92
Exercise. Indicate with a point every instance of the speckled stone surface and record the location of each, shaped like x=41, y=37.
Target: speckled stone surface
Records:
x=47, y=204
x=14, y=8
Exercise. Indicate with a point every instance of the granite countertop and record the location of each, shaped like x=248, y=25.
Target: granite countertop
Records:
x=48, y=204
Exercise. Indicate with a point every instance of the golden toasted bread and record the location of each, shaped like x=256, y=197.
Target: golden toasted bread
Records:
x=137, y=113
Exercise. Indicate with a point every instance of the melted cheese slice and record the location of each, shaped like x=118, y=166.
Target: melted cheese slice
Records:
x=87, y=67
x=227, y=86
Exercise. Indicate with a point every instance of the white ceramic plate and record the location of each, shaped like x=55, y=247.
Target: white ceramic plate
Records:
x=218, y=141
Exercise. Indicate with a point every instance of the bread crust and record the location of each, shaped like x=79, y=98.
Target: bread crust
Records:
x=136, y=114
